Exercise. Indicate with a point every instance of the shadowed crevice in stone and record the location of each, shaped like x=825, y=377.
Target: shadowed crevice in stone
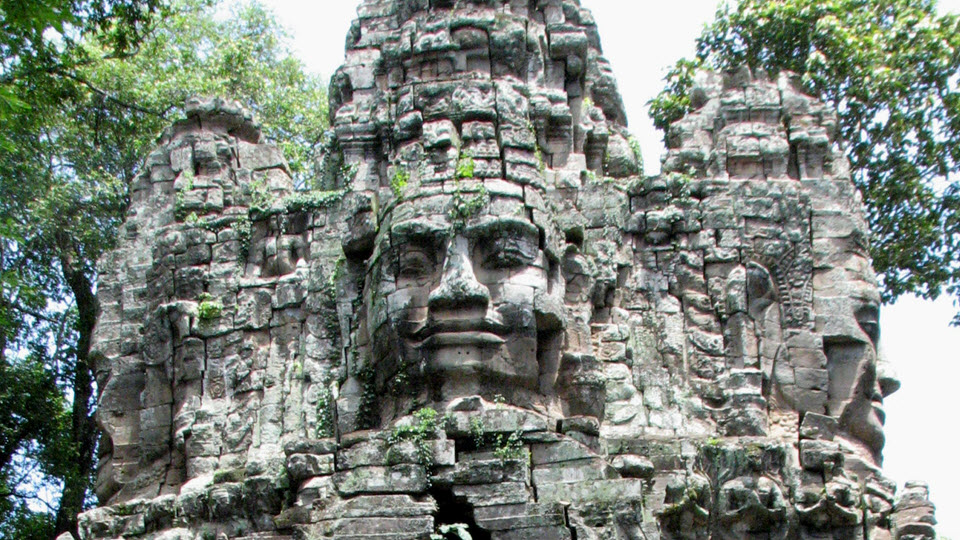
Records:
x=450, y=511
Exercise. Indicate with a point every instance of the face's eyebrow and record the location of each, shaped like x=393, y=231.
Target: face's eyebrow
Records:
x=503, y=226
x=417, y=231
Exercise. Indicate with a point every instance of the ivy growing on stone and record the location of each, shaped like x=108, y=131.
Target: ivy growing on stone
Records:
x=421, y=432
x=462, y=208
x=505, y=447
x=243, y=229
x=325, y=422
x=399, y=182
x=465, y=166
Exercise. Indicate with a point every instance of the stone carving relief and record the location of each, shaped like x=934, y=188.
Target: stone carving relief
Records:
x=490, y=319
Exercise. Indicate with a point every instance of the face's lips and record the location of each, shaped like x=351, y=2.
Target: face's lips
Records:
x=878, y=410
x=459, y=326
x=460, y=332
x=454, y=339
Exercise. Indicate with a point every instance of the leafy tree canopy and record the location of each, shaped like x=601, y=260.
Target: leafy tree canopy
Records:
x=39, y=39
x=890, y=70
x=70, y=147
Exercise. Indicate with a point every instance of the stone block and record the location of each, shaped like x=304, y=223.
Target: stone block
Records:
x=304, y=466
x=403, y=478
x=584, y=471
x=495, y=494
x=596, y=492
x=519, y=516
x=819, y=456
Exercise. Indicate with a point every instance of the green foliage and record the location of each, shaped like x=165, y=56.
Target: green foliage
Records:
x=465, y=166
x=673, y=102
x=325, y=405
x=312, y=200
x=637, y=152
x=505, y=447
x=261, y=200
x=478, y=431
x=25, y=524
x=421, y=432
x=463, y=208
x=368, y=416
x=244, y=230
x=229, y=476
x=509, y=447
x=30, y=53
x=538, y=155
x=888, y=68
x=209, y=309
x=339, y=269
x=453, y=531
x=399, y=182
x=34, y=412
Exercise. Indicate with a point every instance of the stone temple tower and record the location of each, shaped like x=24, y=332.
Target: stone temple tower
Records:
x=490, y=322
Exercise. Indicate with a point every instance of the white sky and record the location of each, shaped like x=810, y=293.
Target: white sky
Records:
x=641, y=40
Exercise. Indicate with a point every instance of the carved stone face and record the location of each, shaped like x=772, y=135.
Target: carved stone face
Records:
x=469, y=301
x=848, y=317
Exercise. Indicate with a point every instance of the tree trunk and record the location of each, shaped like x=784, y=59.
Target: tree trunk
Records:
x=83, y=426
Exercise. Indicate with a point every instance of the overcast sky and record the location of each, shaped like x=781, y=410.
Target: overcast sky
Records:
x=642, y=39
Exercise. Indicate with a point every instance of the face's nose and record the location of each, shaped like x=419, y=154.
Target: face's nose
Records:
x=458, y=288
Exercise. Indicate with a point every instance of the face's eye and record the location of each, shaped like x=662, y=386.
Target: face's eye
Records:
x=414, y=264
x=508, y=252
x=504, y=243
x=500, y=259
x=868, y=317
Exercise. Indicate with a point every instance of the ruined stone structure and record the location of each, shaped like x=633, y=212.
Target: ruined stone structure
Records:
x=490, y=320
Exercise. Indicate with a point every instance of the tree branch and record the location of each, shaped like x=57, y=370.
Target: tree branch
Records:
x=117, y=101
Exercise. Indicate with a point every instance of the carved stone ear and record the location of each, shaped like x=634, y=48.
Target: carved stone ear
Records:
x=761, y=291
x=362, y=230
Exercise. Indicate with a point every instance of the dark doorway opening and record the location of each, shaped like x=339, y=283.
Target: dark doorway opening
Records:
x=450, y=511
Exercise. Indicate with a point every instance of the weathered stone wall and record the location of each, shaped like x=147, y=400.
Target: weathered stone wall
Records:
x=491, y=317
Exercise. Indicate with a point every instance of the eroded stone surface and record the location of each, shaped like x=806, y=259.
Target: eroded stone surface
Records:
x=491, y=317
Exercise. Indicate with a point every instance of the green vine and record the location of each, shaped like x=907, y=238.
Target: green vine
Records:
x=180, y=199
x=260, y=197
x=367, y=415
x=465, y=165
x=509, y=447
x=538, y=154
x=243, y=228
x=505, y=447
x=324, y=411
x=420, y=433
x=312, y=200
x=399, y=182
x=463, y=208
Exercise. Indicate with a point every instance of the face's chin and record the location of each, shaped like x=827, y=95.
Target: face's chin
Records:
x=863, y=420
x=466, y=356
